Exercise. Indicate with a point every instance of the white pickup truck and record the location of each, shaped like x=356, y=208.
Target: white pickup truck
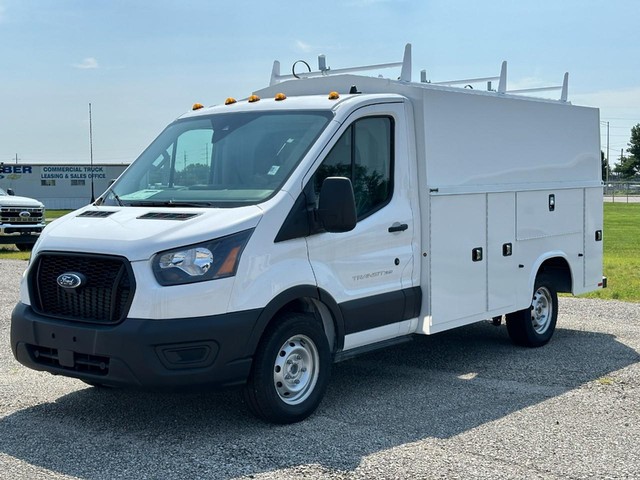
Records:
x=256, y=242
x=21, y=220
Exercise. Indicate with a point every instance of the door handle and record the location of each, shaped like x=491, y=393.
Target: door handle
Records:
x=398, y=227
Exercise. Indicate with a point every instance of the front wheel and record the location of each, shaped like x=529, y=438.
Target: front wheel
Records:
x=534, y=326
x=290, y=371
x=25, y=247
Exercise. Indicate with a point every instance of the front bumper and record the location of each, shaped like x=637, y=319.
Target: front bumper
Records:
x=21, y=228
x=175, y=353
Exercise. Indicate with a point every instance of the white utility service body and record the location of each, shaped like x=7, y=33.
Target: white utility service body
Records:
x=464, y=204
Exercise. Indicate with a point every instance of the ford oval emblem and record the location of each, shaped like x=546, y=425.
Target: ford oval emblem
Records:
x=24, y=214
x=71, y=280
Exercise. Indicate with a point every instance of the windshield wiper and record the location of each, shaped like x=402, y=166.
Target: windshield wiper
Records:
x=115, y=196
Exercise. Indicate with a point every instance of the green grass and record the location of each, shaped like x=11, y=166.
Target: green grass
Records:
x=53, y=214
x=621, y=251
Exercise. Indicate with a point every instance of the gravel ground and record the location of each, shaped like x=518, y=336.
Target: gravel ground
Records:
x=462, y=404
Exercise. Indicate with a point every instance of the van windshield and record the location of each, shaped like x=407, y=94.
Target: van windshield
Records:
x=221, y=160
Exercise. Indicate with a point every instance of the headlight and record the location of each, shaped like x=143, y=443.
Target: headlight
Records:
x=198, y=263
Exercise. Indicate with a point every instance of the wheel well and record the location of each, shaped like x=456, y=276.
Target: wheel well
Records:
x=558, y=269
x=316, y=308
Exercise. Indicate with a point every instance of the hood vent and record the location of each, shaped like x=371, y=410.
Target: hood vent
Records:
x=167, y=216
x=96, y=213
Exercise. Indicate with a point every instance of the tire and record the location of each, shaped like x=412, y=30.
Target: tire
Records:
x=534, y=326
x=25, y=247
x=290, y=370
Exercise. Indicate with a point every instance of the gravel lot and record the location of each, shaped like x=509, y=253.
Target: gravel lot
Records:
x=463, y=404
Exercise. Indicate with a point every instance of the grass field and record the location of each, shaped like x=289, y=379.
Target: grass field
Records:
x=621, y=251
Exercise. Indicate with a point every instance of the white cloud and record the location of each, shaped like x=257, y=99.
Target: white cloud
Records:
x=303, y=47
x=87, y=64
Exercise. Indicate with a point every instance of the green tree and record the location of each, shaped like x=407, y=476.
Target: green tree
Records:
x=605, y=165
x=629, y=166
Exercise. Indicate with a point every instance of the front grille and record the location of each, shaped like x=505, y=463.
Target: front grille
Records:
x=19, y=215
x=82, y=362
x=103, y=296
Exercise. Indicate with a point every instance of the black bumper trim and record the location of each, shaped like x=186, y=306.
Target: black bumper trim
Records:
x=172, y=353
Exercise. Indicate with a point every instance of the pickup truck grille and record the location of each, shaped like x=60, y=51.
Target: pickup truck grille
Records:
x=19, y=215
x=103, y=296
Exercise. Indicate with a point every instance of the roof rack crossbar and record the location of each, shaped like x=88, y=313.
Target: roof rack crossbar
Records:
x=405, y=74
x=564, y=87
x=501, y=86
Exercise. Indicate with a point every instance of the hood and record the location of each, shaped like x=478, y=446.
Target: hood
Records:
x=15, y=201
x=137, y=233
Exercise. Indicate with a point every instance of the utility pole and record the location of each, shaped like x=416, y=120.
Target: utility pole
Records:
x=16, y=158
x=608, y=166
x=93, y=197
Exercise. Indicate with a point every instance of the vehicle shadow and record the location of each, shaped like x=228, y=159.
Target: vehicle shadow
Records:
x=433, y=387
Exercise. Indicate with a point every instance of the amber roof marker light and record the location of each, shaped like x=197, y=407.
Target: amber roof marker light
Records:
x=230, y=101
x=197, y=106
x=253, y=99
x=280, y=96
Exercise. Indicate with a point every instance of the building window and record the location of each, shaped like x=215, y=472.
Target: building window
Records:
x=76, y=183
x=48, y=183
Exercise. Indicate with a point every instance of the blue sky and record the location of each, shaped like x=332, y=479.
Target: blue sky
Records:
x=141, y=63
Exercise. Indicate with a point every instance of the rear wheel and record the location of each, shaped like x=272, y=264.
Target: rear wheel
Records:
x=534, y=326
x=290, y=371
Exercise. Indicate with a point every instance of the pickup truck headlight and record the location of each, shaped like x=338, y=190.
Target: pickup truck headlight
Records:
x=218, y=258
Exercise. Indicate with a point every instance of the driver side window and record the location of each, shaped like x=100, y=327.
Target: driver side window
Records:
x=364, y=154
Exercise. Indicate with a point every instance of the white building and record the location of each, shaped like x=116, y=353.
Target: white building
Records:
x=60, y=186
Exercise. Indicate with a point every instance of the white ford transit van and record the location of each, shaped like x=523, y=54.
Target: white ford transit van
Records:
x=256, y=242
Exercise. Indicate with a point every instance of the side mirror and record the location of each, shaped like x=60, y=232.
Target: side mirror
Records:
x=10, y=191
x=337, y=205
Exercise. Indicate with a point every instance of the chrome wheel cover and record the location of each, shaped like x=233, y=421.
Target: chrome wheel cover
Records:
x=541, y=310
x=295, y=372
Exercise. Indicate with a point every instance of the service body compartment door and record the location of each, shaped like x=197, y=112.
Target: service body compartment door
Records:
x=458, y=257
x=593, y=237
x=501, y=223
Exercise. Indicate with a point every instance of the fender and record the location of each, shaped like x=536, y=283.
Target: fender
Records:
x=286, y=297
x=543, y=258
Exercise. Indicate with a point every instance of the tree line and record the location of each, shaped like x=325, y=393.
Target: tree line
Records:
x=629, y=166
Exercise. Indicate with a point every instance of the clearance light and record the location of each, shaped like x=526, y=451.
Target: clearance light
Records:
x=280, y=97
x=253, y=99
x=334, y=96
x=197, y=106
x=230, y=101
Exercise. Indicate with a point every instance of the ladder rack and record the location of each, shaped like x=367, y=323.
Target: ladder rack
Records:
x=405, y=75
